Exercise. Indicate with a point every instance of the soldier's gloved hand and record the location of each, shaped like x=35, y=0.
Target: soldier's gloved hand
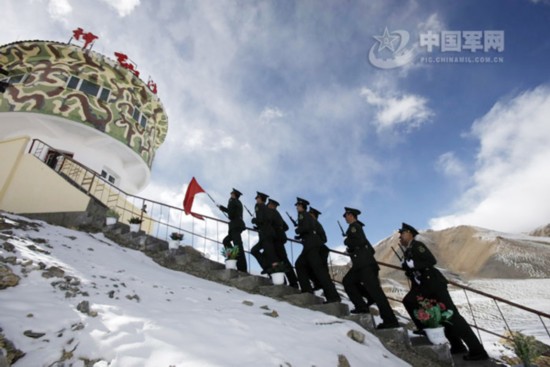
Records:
x=297, y=237
x=253, y=220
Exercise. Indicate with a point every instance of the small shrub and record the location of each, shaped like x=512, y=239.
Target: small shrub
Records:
x=135, y=220
x=230, y=253
x=112, y=213
x=176, y=236
x=526, y=348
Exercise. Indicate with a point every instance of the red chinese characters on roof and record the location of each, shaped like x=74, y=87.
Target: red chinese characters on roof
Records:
x=87, y=37
x=126, y=63
x=152, y=85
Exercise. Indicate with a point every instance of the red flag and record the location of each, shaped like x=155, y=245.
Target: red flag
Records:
x=193, y=189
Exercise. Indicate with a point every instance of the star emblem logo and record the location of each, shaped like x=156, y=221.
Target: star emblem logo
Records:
x=386, y=40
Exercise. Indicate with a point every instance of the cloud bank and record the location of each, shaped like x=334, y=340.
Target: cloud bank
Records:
x=509, y=190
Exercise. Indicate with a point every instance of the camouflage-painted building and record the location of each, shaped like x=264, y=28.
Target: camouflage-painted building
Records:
x=81, y=103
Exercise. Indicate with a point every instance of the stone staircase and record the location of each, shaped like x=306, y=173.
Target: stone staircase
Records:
x=416, y=350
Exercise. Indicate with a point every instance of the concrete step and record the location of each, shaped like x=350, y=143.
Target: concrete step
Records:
x=249, y=283
x=277, y=291
x=117, y=228
x=440, y=353
x=303, y=299
x=225, y=275
x=365, y=320
x=337, y=309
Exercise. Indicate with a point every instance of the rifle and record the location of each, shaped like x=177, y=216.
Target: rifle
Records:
x=396, y=254
x=341, y=229
x=402, y=249
x=248, y=211
x=292, y=220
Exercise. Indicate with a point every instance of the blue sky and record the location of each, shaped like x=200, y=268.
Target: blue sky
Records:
x=280, y=97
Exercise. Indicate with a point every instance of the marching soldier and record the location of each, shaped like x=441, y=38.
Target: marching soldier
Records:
x=310, y=257
x=428, y=282
x=264, y=250
x=323, y=250
x=364, y=272
x=234, y=212
x=280, y=239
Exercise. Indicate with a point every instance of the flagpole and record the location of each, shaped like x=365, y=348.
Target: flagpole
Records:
x=214, y=201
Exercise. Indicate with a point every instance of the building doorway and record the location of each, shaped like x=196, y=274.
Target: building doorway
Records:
x=53, y=158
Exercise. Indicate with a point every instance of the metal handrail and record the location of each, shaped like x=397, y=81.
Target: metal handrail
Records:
x=127, y=197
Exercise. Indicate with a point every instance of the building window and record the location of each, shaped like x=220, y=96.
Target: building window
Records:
x=89, y=88
x=143, y=121
x=109, y=176
x=104, y=95
x=136, y=114
x=17, y=78
x=73, y=82
x=139, y=117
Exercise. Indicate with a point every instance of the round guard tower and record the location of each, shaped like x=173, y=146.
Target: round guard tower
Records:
x=72, y=101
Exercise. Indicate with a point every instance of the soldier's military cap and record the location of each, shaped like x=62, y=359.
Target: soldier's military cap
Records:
x=262, y=195
x=407, y=227
x=315, y=212
x=236, y=192
x=355, y=212
x=302, y=202
x=274, y=202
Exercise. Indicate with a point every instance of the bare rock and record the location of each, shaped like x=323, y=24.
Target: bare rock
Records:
x=343, y=361
x=135, y=296
x=8, y=351
x=84, y=307
x=53, y=271
x=9, y=247
x=357, y=336
x=33, y=334
x=7, y=277
x=272, y=314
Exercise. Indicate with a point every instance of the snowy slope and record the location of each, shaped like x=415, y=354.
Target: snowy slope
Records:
x=151, y=316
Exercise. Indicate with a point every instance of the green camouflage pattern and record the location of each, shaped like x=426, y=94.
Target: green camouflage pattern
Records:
x=49, y=65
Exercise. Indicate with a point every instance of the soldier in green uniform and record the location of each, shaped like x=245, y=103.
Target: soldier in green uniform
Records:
x=428, y=282
x=264, y=250
x=323, y=250
x=280, y=239
x=234, y=212
x=310, y=257
x=364, y=272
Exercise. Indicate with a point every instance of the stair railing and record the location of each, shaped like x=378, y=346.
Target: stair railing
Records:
x=162, y=219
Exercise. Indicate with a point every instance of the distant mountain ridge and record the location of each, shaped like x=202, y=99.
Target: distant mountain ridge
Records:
x=543, y=231
x=472, y=252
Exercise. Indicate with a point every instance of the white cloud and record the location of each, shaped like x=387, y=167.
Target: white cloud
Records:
x=123, y=7
x=392, y=111
x=270, y=114
x=450, y=165
x=510, y=186
x=58, y=9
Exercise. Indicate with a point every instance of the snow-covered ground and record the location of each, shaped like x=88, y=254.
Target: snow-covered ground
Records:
x=151, y=316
